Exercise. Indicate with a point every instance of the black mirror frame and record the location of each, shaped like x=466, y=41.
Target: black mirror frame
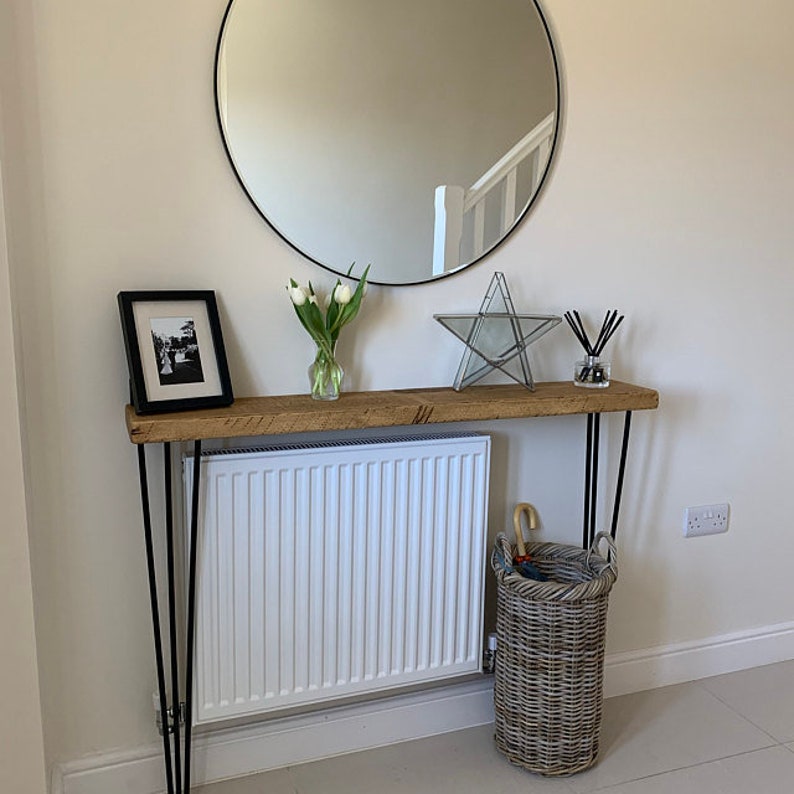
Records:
x=519, y=219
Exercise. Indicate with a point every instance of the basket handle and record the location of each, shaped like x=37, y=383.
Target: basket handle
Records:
x=612, y=558
x=532, y=523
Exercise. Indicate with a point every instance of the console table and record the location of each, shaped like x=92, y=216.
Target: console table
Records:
x=278, y=415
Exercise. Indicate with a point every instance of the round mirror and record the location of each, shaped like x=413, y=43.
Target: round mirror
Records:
x=413, y=136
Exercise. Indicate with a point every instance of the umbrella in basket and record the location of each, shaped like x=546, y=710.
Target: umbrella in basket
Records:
x=522, y=562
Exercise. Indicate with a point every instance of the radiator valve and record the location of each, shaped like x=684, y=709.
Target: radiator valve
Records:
x=489, y=655
x=158, y=715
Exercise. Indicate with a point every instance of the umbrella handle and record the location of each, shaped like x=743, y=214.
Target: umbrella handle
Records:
x=532, y=523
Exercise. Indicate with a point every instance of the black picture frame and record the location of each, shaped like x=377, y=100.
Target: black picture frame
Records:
x=175, y=352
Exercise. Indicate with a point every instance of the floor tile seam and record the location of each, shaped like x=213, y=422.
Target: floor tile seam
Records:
x=739, y=713
x=716, y=760
x=293, y=780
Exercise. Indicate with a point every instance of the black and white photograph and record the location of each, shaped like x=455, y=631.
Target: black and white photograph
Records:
x=175, y=350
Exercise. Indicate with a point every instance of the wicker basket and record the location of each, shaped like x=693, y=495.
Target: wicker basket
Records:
x=550, y=655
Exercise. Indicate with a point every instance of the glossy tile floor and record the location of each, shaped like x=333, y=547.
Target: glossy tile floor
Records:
x=733, y=734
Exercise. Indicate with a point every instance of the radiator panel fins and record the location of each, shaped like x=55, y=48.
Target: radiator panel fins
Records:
x=337, y=570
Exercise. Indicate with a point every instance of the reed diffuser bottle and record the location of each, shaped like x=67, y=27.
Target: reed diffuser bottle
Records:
x=593, y=372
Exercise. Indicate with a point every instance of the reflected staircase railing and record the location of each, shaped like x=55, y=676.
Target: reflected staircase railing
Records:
x=455, y=205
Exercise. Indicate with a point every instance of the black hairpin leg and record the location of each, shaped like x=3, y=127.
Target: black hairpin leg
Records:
x=591, y=479
x=177, y=765
x=172, y=619
x=191, y=609
x=624, y=448
x=158, y=644
x=588, y=461
x=594, y=479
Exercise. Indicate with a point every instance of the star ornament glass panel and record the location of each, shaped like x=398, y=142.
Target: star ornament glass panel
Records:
x=496, y=341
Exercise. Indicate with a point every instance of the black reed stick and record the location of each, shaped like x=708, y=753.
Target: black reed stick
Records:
x=576, y=332
x=607, y=331
x=609, y=334
x=605, y=326
x=587, y=344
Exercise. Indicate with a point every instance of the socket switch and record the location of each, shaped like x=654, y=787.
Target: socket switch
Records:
x=706, y=520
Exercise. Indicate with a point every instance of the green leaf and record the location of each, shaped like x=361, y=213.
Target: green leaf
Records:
x=348, y=312
x=333, y=308
x=315, y=321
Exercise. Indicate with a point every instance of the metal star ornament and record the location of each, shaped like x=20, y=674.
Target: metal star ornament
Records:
x=496, y=337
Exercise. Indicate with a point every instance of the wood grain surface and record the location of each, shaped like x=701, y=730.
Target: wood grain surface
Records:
x=298, y=413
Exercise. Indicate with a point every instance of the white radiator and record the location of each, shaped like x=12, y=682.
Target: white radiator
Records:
x=337, y=569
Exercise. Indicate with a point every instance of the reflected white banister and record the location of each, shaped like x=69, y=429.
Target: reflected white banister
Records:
x=534, y=147
x=448, y=226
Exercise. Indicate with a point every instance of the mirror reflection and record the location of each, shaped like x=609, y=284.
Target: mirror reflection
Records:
x=411, y=135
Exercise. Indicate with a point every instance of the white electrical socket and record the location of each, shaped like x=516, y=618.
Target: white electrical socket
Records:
x=706, y=520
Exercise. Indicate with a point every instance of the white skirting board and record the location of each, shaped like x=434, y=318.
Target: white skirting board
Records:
x=637, y=671
x=234, y=752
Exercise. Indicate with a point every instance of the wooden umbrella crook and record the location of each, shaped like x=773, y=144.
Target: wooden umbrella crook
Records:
x=532, y=523
x=522, y=561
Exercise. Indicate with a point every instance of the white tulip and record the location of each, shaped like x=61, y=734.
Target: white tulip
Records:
x=342, y=294
x=297, y=295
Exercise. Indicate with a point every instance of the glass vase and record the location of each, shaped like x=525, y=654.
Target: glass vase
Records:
x=325, y=375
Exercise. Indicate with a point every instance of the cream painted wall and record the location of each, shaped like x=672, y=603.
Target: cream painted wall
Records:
x=21, y=737
x=670, y=200
x=22, y=763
